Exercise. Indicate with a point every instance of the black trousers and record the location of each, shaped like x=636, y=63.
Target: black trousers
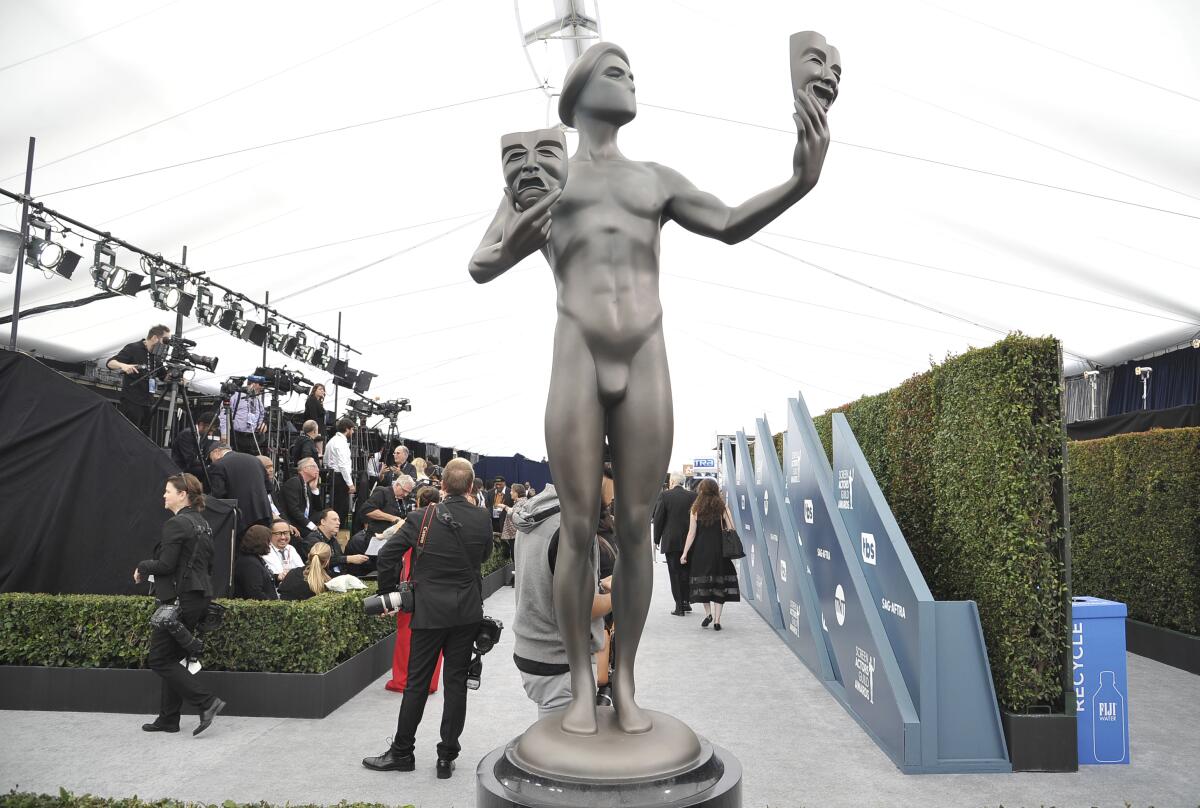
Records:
x=455, y=644
x=680, y=578
x=178, y=685
x=138, y=414
x=341, y=498
x=249, y=443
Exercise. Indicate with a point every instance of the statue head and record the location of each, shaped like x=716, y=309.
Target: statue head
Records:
x=534, y=163
x=816, y=68
x=599, y=83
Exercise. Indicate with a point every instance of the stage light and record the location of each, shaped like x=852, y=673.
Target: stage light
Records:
x=110, y=277
x=363, y=383
x=168, y=295
x=10, y=248
x=254, y=332
x=206, y=312
x=275, y=337
x=48, y=255
x=348, y=378
x=233, y=316
x=295, y=345
x=320, y=356
x=337, y=367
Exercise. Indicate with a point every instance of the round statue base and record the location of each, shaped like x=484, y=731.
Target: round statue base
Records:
x=667, y=767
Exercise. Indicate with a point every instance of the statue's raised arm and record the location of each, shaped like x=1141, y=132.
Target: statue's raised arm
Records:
x=816, y=74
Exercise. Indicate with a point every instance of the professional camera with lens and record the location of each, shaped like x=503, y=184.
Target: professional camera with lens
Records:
x=400, y=600
x=180, y=356
x=390, y=409
x=485, y=640
x=285, y=381
x=232, y=385
x=361, y=407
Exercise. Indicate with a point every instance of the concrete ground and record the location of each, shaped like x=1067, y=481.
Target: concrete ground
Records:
x=742, y=688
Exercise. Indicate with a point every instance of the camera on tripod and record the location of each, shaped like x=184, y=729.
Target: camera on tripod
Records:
x=232, y=385
x=390, y=409
x=285, y=381
x=362, y=407
x=179, y=358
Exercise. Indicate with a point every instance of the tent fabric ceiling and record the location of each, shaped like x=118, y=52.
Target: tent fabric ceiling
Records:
x=994, y=167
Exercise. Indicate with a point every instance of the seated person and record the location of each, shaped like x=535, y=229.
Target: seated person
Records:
x=298, y=499
x=304, y=582
x=306, y=444
x=328, y=524
x=186, y=448
x=251, y=578
x=387, y=505
x=281, y=556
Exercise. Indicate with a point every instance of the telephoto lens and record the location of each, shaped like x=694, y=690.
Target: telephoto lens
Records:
x=378, y=604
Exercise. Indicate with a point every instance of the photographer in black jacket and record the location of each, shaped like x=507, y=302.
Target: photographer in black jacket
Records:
x=449, y=607
x=182, y=570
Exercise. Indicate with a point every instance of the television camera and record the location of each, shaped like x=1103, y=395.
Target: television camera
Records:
x=285, y=381
x=366, y=407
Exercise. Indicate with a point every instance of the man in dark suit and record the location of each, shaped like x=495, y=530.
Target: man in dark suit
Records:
x=671, y=519
x=186, y=448
x=452, y=540
x=498, y=500
x=240, y=476
x=306, y=444
x=299, y=498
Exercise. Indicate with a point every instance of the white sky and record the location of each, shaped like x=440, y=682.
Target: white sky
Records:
x=1099, y=97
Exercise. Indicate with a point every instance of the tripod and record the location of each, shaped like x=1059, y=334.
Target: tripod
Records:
x=175, y=374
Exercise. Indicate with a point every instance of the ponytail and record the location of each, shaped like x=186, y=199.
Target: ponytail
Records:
x=187, y=483
x=314, y=572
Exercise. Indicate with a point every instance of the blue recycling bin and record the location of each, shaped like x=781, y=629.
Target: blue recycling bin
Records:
x=1098, y=679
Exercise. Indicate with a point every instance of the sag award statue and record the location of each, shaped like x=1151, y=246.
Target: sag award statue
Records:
x=599, y=232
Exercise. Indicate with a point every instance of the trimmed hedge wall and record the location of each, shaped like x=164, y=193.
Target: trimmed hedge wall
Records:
x=969, y=456
x=1135, y=519
x=113, y=631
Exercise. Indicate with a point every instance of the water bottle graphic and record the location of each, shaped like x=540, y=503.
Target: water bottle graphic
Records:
x=1108, y=721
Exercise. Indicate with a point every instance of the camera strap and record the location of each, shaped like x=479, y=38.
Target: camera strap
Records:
x=448, y=520
x=426, y=521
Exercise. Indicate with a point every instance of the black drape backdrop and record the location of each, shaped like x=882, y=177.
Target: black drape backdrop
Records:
x=80, y=488
x=1174, y=382
x=1172, y=418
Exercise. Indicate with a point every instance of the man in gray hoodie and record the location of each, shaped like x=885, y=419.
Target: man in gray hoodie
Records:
x=538, y=649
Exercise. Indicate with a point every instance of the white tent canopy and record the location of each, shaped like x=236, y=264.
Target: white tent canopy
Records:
x=995, y=167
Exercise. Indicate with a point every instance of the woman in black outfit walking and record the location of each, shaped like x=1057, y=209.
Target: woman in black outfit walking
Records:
x=251, y=578
x=182, y=570
x=714, y=580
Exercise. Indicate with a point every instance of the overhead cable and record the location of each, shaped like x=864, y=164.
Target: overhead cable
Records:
x=283, y=141
x=944, y=164
x=984, y=278
x=232, y=92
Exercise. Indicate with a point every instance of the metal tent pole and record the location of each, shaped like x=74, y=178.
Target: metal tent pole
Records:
x=16, y=315
x=177, y=331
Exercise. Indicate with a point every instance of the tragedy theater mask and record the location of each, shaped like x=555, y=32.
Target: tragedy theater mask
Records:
x=534, y=163
x=816, y=68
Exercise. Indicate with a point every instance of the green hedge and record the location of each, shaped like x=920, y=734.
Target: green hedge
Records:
x=113, y=631
x=1135, y=524
x=968, y=455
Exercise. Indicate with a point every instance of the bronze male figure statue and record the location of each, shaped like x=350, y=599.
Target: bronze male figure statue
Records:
x=600, y=235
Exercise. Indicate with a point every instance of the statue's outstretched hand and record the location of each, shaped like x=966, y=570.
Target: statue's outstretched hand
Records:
x=812, y=140
x=529, y=230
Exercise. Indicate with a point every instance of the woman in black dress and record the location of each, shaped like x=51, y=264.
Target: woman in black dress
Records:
x=314, y=408
x=251, y=578
x=714, y=580
x=301, y=583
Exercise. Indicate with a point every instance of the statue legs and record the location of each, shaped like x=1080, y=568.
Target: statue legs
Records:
x=641, y=430
x=575, y=447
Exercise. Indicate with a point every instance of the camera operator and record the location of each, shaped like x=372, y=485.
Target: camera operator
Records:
x=249, y=417
x=140, y=363
x=448, y=609
x=182, y=570
x=186, y=448
x=397, y=465
x=538, y=650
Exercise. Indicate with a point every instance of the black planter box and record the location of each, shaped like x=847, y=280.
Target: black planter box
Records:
x=496, y=579
x=1041, y=742
x=1163, y=645
x=117, y=690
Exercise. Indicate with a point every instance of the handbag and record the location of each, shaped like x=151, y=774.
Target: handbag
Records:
x=166, y=616
x=407, y=589
x=731, y=543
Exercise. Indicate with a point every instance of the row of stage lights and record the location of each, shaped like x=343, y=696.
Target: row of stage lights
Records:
x=169, y=293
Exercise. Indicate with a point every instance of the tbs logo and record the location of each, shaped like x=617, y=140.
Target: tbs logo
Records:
x=868, y=549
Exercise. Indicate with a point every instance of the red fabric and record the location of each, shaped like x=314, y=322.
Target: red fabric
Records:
x=400, y=655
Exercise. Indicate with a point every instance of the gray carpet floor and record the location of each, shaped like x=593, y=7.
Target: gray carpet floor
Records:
x=741, y=687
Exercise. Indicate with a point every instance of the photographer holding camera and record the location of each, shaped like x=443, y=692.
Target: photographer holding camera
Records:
x=139, y=363
x=249, y=417
x=182, y=570
x=450, y=540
